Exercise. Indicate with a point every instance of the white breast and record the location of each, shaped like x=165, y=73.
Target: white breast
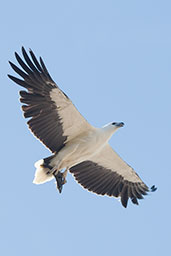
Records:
x=82, y=148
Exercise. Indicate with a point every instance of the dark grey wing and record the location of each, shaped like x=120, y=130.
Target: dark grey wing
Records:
x=53, y=118
x=107, y=174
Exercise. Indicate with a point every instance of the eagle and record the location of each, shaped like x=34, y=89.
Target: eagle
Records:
x=76, y=145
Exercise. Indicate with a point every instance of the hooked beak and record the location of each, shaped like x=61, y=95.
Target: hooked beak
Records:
x=121, y=124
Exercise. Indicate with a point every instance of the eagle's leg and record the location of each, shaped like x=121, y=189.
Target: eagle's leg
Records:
x=60, y=179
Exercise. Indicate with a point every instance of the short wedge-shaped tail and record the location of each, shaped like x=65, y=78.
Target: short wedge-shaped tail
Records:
x=42, y=173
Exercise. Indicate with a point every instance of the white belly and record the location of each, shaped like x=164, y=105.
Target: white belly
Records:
x=79, y=149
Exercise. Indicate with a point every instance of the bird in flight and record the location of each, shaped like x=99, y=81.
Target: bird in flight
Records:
x=76, y=145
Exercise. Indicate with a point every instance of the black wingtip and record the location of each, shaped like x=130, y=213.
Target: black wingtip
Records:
x=10, y=76
x=153, y=188
x=23, y=50
x=16, y=54
x=11, y=64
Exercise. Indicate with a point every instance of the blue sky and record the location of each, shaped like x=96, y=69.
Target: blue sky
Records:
x=113, y=59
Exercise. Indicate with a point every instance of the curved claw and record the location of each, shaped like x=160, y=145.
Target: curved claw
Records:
x=60, y=180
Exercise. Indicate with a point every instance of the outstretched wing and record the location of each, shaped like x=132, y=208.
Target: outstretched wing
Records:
x=107, y=174
x=53, y=118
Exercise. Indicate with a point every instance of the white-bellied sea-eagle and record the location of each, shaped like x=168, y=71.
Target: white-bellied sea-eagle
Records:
x=76, y=145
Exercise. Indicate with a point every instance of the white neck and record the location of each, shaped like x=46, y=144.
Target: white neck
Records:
x=108, y=131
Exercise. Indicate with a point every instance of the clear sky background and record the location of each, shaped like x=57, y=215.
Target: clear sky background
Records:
x=113, y=59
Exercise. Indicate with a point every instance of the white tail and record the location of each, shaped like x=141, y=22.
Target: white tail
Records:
x=41, y=174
